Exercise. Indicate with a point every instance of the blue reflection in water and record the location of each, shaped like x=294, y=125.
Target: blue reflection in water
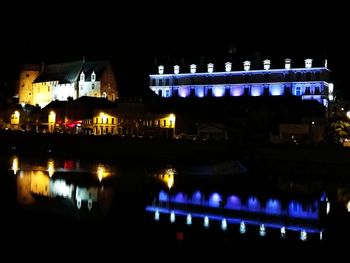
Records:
x=264, y=215
x=179, y=198
x=214, y=200
x=197, y=198
x=296, y=209
x=253, y=204
x=273, y=206
x=234, y=202
x=163, y=196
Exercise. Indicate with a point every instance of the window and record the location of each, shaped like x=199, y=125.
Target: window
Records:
x=82, y=76
x=96, y=120
x=107, y=130
x=167, y=82
x=307, y=91
x=298, y=76
x=317, y=75
x=308, y=76
x=48, y=89
x=297, y=91
x=93, y=76
x=167, y=93
x=153, y=83
x=112, y=130
x=287, y=77
x=164, y=123
x=246, y=78
x=27, y=75
x=93, y=86
x=112, y=120
x=171, y=124
x=317, y=90
x=192, y=81
x=160, y=82
x=266, y=77
x=107, y=120
x=22, y=85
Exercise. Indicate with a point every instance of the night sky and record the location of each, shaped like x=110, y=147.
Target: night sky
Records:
x=132, y=36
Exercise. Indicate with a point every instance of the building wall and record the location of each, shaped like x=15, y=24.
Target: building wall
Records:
x=63, y=91
x=25, y=85
x=42, y=93
x=108, y=84
x=90, y=88
x=308, y=83
x=105, y=123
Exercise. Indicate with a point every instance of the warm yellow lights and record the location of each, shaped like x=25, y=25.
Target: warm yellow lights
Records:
x=102, y=172
x=15, y=117
x=52, y=117
x=15, y=167
x=170, y=182
x=52, y=120
x=51, y=167
x=168, y=177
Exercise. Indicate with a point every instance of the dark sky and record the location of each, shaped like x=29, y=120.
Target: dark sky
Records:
x=133, y=35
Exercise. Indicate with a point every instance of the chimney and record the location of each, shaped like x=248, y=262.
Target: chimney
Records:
x=287, y=63
x=246, y=65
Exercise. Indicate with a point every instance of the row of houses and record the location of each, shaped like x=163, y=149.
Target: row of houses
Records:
x=91, y=115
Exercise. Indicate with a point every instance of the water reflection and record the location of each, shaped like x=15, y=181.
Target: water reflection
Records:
x=83, y=190
x=51, y=167
x=14, y=165
x=241, y=212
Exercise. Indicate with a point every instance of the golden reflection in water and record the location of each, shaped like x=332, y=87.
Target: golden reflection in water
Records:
x=102, y=172
x=51, y=167
x=167, y=177
x=15, y=167
x=40, y=183
x=24, y=195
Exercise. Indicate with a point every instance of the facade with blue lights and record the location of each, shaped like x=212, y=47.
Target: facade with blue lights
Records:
x=309, y=83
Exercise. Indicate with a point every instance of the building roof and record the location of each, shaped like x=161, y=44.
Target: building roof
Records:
x=69, y=72
x=63, y=72
x=97, y=67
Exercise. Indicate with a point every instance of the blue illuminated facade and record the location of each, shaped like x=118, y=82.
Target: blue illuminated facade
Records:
x=309, y=83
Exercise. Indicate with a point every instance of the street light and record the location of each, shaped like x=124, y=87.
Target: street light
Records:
x=52, y=121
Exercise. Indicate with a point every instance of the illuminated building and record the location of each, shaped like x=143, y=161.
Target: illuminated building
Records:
x=67, y=80
x=309, y=82
x=131, y=119
x=27, y=76
x=105, y=122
